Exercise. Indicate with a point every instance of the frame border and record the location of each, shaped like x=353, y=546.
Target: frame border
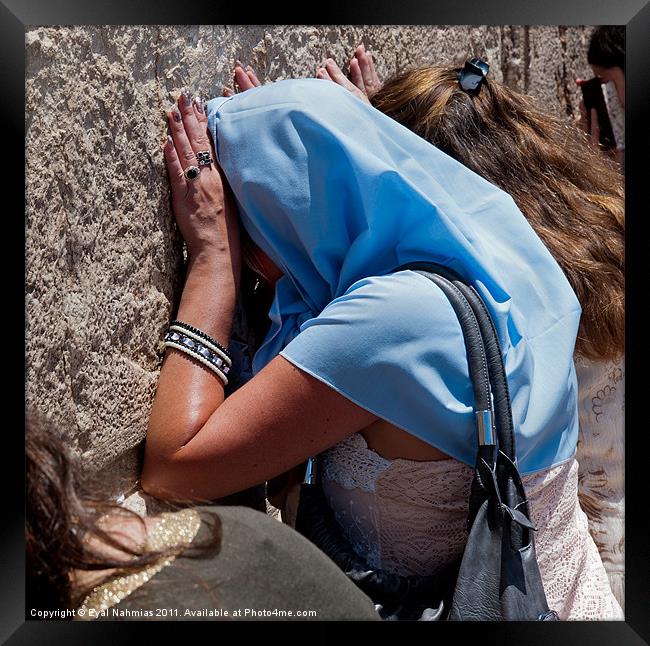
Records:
x=17, y=16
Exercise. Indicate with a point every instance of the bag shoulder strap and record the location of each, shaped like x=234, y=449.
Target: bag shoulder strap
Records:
x=484, y=356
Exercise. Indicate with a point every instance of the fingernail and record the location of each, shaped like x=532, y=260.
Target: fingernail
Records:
x=187, y=96
x=170, y=141
x=198, y=103
x=176, y=113
x=249, y=68
x=238, y=62
x=331, y=60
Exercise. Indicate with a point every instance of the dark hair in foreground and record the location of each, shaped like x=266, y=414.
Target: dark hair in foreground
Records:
x=63, y=520
x=607, y=46
x=570, y=193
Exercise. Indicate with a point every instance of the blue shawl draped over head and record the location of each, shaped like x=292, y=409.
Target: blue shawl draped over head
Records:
x=338, y=194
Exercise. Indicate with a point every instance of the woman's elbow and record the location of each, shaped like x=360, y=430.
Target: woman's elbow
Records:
x=154, y=481
x=174, y=478
x=160, y=478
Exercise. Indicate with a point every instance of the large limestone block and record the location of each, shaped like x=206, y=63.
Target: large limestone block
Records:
x=104, y=258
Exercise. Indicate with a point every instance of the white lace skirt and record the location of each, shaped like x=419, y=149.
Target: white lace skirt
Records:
x=409, y=517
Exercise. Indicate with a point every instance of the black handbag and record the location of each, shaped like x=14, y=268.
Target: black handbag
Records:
x=497, y=577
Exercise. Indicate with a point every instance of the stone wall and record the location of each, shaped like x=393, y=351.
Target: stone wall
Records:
x=104, y=260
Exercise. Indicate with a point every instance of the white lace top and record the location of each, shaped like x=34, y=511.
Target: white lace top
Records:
x=409, y=517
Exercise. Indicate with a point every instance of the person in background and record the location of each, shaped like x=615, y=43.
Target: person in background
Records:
x=606, y=56
x=102, y=561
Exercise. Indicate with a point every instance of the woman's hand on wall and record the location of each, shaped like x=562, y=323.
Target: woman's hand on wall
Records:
x=203, y=209
x=363, y=82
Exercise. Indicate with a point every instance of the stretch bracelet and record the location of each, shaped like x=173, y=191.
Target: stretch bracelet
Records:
x=197, y=346
x=206, y=362
x=199, y=352
x=199, y=339
x=203, y=335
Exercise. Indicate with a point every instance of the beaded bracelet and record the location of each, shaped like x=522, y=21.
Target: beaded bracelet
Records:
x=202, y=341
x=199, y=352
x=203, y=335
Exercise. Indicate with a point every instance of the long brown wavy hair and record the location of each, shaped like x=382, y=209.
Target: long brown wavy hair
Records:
x=571, y=194
x=63, y=521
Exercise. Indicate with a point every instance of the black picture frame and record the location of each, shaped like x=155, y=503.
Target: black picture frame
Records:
x=17, y=15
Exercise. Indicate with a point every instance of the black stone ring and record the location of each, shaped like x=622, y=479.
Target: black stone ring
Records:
x=192, y=172
x=204, y=157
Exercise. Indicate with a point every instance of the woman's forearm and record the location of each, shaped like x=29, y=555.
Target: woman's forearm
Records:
x=188, y=392
x=209, y=294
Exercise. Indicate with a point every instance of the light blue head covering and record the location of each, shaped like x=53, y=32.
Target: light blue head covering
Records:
x=337, y=194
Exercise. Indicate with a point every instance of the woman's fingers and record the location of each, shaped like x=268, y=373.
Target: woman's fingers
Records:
x=199, y=111
x=368, y=72
x=364, y=65
x=336, y=75
x=182, y=145
x=242, y=79
x=322, y=73
x=193, y=122
x=174, y=168
x=355, y=74
x=376, y=83
x=202, y=120
x=252, y=76
x=332, y=72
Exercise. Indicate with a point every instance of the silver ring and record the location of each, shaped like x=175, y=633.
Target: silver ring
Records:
x=192, y=173
x=204, y=157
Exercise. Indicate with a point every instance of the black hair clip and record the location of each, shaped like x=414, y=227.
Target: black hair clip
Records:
x=471, y=77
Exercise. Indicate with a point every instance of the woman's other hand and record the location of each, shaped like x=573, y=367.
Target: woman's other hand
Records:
x=363, y=73
x=363, y=81
x=203, y=208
